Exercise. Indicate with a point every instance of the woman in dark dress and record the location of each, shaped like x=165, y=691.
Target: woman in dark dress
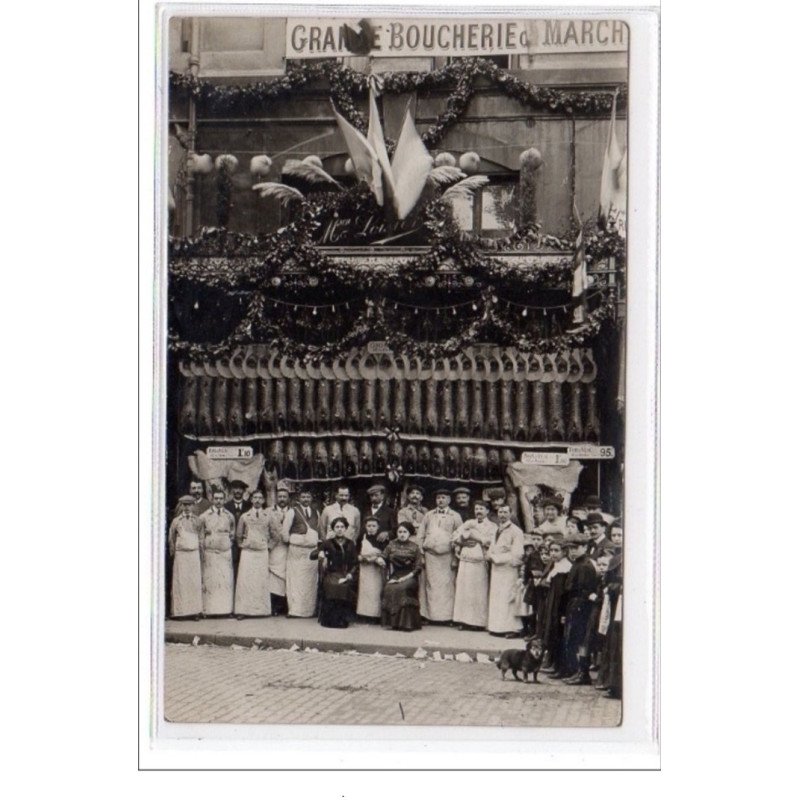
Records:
x=339, y=566
x=613, y=649
x=401, y=590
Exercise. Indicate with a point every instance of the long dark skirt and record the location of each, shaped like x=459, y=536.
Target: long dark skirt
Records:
x=336, y=602
x=614, y=658
x=578, y=613
x=400, y=606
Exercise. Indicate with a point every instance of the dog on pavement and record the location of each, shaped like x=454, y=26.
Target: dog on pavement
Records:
x=527, y=661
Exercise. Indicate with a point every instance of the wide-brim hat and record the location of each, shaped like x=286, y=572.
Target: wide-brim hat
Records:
x=376, y=487
x=237, y=484
x=596, y=519
x=187, y=499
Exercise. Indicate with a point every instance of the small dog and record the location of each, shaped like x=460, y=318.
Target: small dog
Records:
x=527, y=661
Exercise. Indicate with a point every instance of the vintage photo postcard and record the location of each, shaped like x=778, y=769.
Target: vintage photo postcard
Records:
x=395, y=467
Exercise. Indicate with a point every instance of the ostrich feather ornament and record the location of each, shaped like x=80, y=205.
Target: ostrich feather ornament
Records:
x=441, y=176
x=315, y=161
x=470, y=162
x=463, y=190
x=444, y=160
x=311, y=173
x=279, y=191
x=260, y=165
x=199, y=164
x=227, y=162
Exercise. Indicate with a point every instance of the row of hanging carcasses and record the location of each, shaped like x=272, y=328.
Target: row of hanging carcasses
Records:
x=305, y=412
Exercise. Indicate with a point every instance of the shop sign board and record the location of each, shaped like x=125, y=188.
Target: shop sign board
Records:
x=227, y=453
x=590, y=452
x=409, y=37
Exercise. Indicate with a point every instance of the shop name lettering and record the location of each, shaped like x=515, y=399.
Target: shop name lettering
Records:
x=343, y=230
x=383, y=37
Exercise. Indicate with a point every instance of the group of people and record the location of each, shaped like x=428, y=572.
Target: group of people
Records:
x=464, y=562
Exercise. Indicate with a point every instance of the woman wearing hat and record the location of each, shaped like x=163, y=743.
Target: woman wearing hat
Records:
x=400, y=604
x=553, y=521
x=185, y=541
x=339, y=567
x=436, y=540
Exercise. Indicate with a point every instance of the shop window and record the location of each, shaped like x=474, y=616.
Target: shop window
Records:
x=491, y=211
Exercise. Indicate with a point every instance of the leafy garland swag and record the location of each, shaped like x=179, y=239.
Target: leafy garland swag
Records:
x=271, y=275
x=460, y=79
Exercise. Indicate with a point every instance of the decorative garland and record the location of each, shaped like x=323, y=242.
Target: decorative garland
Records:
x=346, y=84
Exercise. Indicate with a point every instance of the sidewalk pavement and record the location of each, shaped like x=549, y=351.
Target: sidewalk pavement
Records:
x=283, y=632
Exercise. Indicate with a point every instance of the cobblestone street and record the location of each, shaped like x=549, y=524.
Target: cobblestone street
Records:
x=225, y=685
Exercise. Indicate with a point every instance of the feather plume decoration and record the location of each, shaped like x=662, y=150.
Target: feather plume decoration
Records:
x=227, y=162
x=315, y=161
x=260, y=165
x=279, y=191
x=307, y=172
x=444, y=174
x=199, y=163
x=182, y=136
x=464, y=189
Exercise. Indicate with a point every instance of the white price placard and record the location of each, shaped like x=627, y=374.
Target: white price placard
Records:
x=225, y=453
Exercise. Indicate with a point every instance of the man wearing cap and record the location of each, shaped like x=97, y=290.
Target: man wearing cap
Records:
x=472, y=541
x=497, y=498
x=553, y=521
x=592, y=503
x=379, y=508
x=436, y=541
x=505, y=554
x=342, y=507
x=597, y=526
x=581, y=584
x=185, y=540
x=461, y=500
x=413, y=511
x=278, y=548
x=199, y=502
x=237, y=505
x=301, y=531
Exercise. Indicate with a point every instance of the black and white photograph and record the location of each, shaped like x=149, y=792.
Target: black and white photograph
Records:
x=394, y=433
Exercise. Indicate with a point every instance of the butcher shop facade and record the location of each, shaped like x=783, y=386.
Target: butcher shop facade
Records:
x=404, y=269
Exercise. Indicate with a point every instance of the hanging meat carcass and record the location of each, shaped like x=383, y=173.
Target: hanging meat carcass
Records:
x=399, y=419
x=365, y=465
x=447, y=422
x=235, y=412
x=320, y=459
x=381, y=456
x=335, y=459
x=339, y=419
x=575, y=428
x=309, y=406
x=369, y=403
x=276, y=457
x=220, y=407
x=205, y=420
x=354, y=407
x=187, y=421
x=410, y=459
x=306, y=467
x=350, y=458
x=295, y=404
x=476, y=424
x=384, y=404
x=452, y=461
x=493, y=464
x=592, y=431
x=465, y=469
x=281, y=405
x=522, y=408
x=266, y=406
x=480, y=464
x=323, y=405
x=507, y=458
x=251, y=405
x=506, y=410
x=462, y=408
x=537, y=432
x=431, y=418
x=396, y=454
x=557, y=427
x=424, y=460
x=491, y=418
x=291, y=461
x=437, y=462
x=415, y=406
